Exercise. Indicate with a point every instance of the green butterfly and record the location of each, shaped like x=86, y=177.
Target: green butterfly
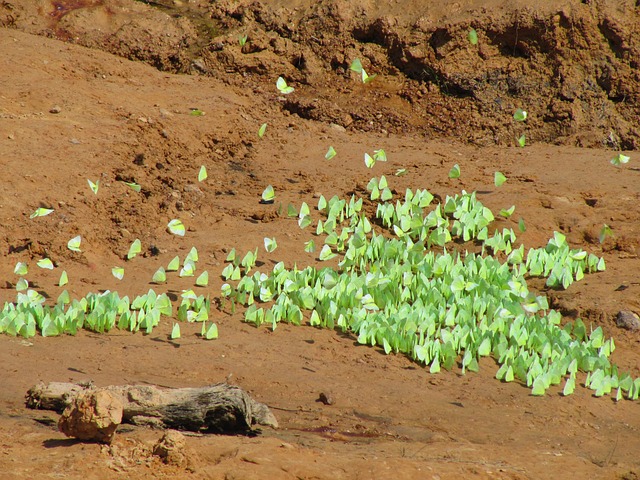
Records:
x=282, y=86
x=160, y=276
x=176, y=227
x=74, y=244
x=268, y=195
x=520, y=115
x=134, y=249
x=118, y=272
x=330, y=153
x=41, y=212
x=94, y=186
x=270, y=244
x=473, y=37
x=45, y=263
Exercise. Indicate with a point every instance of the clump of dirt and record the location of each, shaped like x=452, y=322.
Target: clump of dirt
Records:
x=172, y=449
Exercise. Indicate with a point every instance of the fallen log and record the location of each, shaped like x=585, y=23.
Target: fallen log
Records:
x=89, y=412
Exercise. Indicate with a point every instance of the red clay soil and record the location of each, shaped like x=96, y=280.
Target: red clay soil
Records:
x=104, y=89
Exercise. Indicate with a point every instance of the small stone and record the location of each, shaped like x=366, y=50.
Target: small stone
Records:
x=628, y=320
x=192, y=188
x=326, y=398
x=198, y=64
x=337, y=127
x=55, y=109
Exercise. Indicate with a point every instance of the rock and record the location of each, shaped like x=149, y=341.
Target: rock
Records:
x=191, y=188
x=139, y=159
x=326, y=398
x=55, y=109
x=628, y=320
x=93, y=415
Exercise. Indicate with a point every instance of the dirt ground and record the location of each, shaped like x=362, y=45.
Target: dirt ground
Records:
x=104, y=89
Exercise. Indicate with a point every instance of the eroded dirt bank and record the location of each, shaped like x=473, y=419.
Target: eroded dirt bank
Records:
x=572, y=65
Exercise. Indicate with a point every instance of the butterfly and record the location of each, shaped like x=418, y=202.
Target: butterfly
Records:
x=283, y=87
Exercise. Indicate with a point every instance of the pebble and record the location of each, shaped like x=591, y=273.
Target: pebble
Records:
x=628, y=320
x=326, y=398
x=55, y=109
x=191, y=188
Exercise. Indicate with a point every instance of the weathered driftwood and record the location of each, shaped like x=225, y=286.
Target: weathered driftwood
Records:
x=220, y=408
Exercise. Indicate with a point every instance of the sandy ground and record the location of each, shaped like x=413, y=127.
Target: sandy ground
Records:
x=104, y=90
